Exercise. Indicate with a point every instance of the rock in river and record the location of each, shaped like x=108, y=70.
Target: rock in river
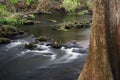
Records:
x=4, y=40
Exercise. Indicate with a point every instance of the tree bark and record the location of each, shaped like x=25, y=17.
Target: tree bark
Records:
x=103, y=60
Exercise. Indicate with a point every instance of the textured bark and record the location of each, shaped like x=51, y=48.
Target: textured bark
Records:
x=103, y=61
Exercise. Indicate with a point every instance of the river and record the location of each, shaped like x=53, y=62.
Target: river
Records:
x=46, y=63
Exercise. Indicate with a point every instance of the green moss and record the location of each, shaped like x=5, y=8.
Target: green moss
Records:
x=31, y=16
x=41, y=38
x=83, y=12
x=89, y=5
x=4, y=40
x=9, y=31
x=70, y=5
x=28, y=2
x=57, y=45
x=30, y=46
x=3, y=11
x=12, y=21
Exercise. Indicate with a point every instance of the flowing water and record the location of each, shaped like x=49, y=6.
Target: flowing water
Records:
x=45, y=62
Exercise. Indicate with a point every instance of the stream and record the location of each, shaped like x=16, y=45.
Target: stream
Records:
x=45, y=62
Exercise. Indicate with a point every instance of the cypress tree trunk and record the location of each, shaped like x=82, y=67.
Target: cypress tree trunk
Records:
x=103, y=61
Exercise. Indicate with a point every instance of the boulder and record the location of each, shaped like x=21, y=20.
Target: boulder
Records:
x=41, y=38
x=72, y=25
x=51, y=20
x=29, y=22
x=9, y=32
x=56, y=45
x=4, y=40
x=30, y=46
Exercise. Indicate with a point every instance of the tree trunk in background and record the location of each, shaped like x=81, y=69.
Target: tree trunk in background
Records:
x=103, y=60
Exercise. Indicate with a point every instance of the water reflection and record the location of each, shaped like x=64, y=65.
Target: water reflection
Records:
x=44, y=29
x=17, y=63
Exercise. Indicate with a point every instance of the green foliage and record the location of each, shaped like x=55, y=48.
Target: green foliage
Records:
x=31, y=16
x=13, y=1
x=3, y=11
x=70, y=5
x=2, y=6
x=89, y=5
x=83, y=12
x=28, y=2
x=12, y=21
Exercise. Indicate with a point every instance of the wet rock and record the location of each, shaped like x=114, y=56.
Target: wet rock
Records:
x=79, y=26
x=30, y=46
x=21, y=32
x=29, y=22
x=80, y=50
x=41, y=38
x=4, y=40
x=36, y=22
x=1, y=25
x=71, y=45
x=72, y=25
x=49, y=44
x=67, y=26
x=48, y=54
x=60, y=10
x=27, y=16
x=51, y=20
x=56, y=45
x=9, y=32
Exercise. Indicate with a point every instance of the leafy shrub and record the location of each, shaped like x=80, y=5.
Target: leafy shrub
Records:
x=83, y=12
x=13, y=1
x=3, y=11
x=31, y=16
x=28, y=2
x=70, y=5
x=12, y=21
x=89, y=5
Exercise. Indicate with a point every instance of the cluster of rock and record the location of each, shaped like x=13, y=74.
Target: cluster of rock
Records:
x=42, y=39
x=56, y=45
x=7, y=32
x=72, y=25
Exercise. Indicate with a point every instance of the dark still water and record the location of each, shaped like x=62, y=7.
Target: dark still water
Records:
x=45, y=62
x=44, y=28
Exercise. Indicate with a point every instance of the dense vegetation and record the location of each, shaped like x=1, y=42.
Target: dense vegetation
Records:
x=16, y=15
x=20, y=12
x=102, y=63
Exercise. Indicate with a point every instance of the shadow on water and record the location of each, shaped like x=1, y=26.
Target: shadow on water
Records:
x=17, y=63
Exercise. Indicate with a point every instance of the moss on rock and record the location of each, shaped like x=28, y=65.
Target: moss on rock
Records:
x=4, y=40
x=30, y=46
x=72, y=25
x=56, y=45
x=8, y=31
x=41, y=38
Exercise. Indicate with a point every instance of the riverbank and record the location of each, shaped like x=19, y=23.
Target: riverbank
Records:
x=8, y=32
x=23, y=12
x=45, y=51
